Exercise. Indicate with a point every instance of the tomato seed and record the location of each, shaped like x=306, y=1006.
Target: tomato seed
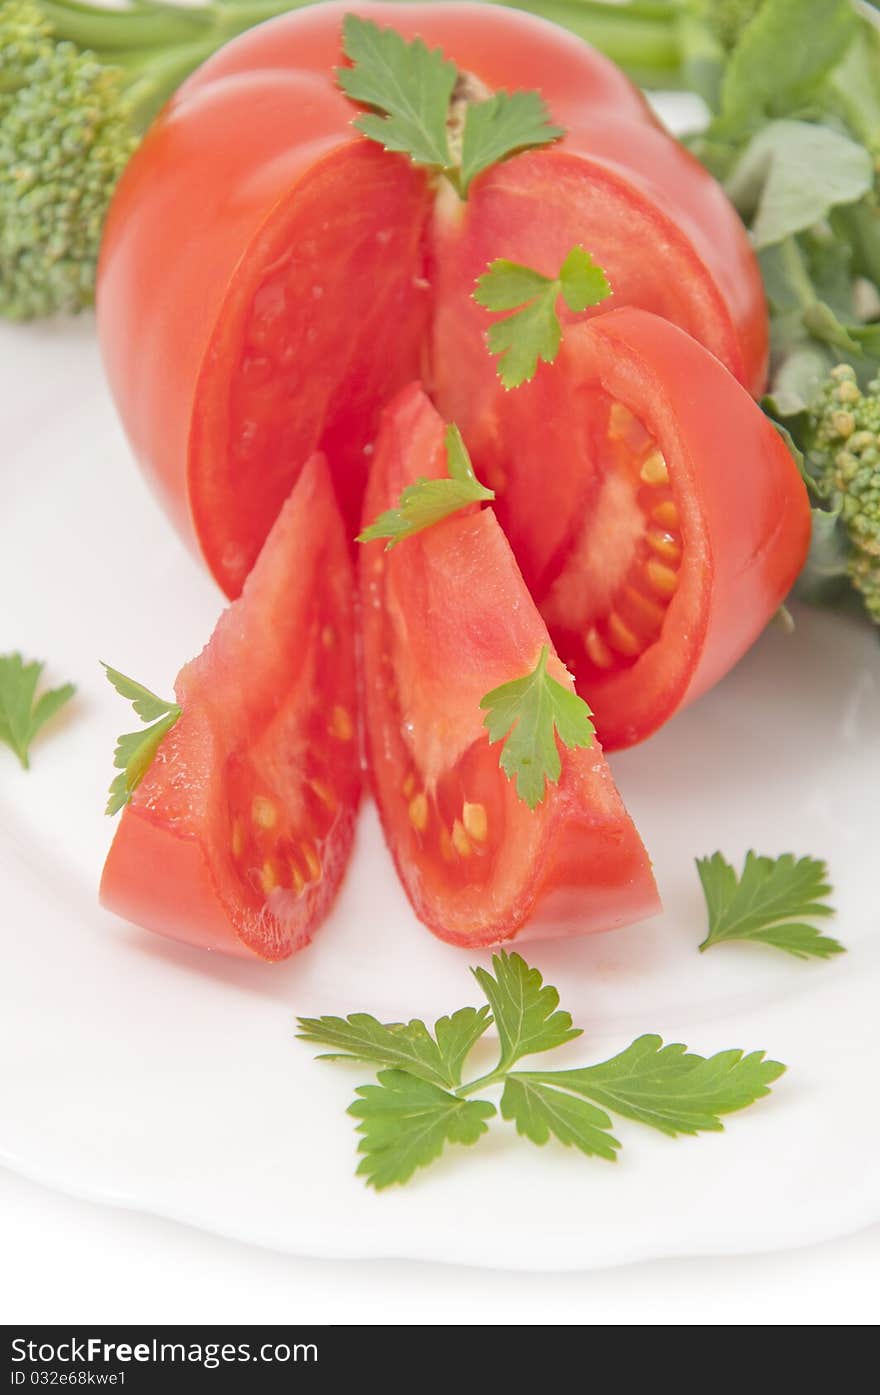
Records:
x=263, y=812
x=654, y=471
x=662, y=578
x=475, y=820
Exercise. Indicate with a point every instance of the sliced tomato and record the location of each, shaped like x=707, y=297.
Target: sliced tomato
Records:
x=655, y=511
x=269, y=278
x=446, y=618
x=238, y=835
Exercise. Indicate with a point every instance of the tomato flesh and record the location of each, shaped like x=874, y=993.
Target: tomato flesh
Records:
x=269, y=279
x=239, y=834
x=446, y=618
x=671, y=520
x=321, y=327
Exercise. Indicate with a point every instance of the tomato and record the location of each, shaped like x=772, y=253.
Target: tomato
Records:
x=446, y=618
x=238, y=835
x=269, y=278
x=670, y=522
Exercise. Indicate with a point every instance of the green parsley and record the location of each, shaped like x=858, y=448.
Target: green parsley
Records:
x=22, y=713
x=534, y=331
x=405, y=1124
x=771, y=902
x=135, y=751
x=411, y=88
x=427, y=502
x=419, y=1104
x=437, y=1058
x=529, y=714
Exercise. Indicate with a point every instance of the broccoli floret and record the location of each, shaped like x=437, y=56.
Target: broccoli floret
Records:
x=78, y=85
x=844, y=462
x=65, y=138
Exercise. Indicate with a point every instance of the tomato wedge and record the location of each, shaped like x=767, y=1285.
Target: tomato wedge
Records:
x=239, y=834
x=269, y=278
x=446, y=618
x=669, y=524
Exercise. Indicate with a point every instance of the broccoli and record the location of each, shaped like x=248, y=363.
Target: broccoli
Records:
x=78, y=85
x=843, y=461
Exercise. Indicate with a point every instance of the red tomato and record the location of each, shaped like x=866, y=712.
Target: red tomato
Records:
x=269, y=278
x=669, y=524
x=446, y=618
x=239, y=833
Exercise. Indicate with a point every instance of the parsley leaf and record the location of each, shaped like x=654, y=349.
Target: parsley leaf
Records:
x=528, y=714
x=500, y=126
x=524, y=1009
x=411, y=88
x=538, y=1111
x=437, y=1058
x=21, y=717
x=427, y=502
x=135, y=750
x=406, y=1123
x=668, y=1087
x=410, y=1115
x=769, y=902
x=410, y=84
x=534, y=331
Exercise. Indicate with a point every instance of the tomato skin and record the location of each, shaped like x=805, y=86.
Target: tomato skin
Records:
x=186, y=243
x=446, y=617
x=281, y=659
x=744, y=510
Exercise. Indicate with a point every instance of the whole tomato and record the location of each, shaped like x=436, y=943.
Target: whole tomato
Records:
x=269, y=278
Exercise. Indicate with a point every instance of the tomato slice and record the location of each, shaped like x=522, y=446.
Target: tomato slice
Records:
x=446, y=618
x=669, y=524
x=238, y=836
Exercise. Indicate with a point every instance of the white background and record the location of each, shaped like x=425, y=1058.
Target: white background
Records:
x=67, y=1261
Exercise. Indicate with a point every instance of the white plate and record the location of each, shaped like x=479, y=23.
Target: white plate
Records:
x=152, y=1076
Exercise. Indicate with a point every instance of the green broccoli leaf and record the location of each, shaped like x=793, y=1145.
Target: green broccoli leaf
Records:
x=781, y=60
x=771, y=902
x=406, y=1123
x=529, y=714
x=792, y=173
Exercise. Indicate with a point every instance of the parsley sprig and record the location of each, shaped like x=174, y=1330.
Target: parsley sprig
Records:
x=418, y=1104
x=428, y=501
x=22, y=713
x=530, y=714
x=771, y=902
x=135, y=750
x=410, y=89
x=534, y=332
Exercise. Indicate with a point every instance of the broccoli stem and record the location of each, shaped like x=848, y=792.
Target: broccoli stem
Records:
x=156, y=45
x=641, y=37
x=103, y=30
x=153, y=24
